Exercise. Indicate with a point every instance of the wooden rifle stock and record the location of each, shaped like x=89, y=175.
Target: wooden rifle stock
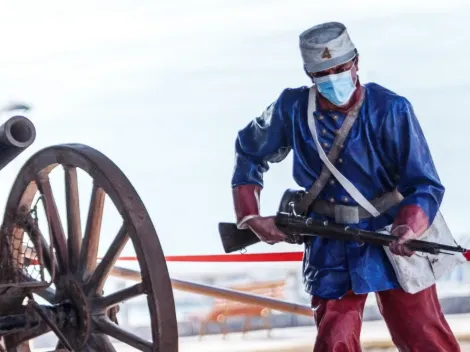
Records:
x=234, y=239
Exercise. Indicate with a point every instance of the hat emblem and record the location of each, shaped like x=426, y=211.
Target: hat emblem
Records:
x=326, y=54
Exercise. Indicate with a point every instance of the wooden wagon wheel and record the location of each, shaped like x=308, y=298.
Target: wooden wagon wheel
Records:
x=79, y=276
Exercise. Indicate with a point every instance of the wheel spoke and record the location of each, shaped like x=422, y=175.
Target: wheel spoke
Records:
x=53, y=219
x=74, y=227
x=109, y=328
x=102, y=303
x=99, y=276
x=49, y=259
x=91, y=240
x=99, y=342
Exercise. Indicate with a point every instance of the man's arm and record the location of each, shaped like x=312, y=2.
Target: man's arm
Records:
x=418, y=180
x=266, y=139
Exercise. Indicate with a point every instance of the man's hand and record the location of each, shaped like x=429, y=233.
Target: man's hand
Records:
x=411, y=222
x=404, y=233
x=266, y=230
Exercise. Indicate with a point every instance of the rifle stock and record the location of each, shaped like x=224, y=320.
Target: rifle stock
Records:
x=233, y=239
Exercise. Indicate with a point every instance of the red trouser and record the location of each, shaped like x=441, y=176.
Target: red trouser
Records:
x=415, y=321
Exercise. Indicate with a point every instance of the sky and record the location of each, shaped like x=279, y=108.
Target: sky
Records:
x=162, y=88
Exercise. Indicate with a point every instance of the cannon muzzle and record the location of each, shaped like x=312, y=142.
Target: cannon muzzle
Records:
x=16, y=134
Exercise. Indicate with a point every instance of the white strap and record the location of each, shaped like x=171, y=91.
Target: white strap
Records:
x=348, y=186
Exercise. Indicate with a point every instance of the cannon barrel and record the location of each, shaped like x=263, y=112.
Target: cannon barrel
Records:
x=16, y=134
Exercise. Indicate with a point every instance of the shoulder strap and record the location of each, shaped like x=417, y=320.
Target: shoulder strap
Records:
x=333, y=154
x=348, y=186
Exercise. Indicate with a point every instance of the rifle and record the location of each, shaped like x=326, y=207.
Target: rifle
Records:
x=292, y=224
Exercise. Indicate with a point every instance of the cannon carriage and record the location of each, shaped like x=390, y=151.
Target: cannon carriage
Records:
x=60, y=265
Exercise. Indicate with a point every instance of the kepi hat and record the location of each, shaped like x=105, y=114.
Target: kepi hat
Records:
x=325, y=46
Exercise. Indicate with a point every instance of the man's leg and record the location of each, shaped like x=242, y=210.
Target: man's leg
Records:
x=338, y=323
x=416, y=322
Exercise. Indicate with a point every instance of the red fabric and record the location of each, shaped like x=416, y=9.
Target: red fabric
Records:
x=338, y=323
x=245, y=200
x=413, y=216
x=245, y=257
x=467, y=255
x=415, y=321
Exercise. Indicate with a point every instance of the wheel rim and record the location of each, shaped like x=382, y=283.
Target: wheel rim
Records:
x=77, y=269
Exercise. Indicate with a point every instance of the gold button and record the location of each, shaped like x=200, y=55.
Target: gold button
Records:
x=320, y=117
x=332, y=182
x=323, y=131
x=325, y=145
x=345, y=199
x=335, y=117
x=340, y=160
x=332, y=200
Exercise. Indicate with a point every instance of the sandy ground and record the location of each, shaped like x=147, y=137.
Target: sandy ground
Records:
x=375, y=337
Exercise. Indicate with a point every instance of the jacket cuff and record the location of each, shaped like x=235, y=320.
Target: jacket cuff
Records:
x=414, y=217
x=246, y=203
x=241, y=225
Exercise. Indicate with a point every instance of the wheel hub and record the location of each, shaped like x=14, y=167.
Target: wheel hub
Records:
x=78, y=335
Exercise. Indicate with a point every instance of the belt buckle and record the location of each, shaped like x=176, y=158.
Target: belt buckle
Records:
x=346, y=214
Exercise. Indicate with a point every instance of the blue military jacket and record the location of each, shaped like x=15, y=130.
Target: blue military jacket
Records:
x=385, y=149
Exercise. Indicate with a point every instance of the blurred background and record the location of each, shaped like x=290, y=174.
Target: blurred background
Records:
x=162, y=87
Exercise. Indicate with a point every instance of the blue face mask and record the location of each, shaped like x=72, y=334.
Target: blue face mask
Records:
x=337, y=88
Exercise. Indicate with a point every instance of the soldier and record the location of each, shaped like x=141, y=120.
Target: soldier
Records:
x=374, y=139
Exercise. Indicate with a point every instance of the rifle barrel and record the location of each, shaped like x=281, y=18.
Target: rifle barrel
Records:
x=305, y=226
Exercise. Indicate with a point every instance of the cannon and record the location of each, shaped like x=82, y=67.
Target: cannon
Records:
x=41, y=259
